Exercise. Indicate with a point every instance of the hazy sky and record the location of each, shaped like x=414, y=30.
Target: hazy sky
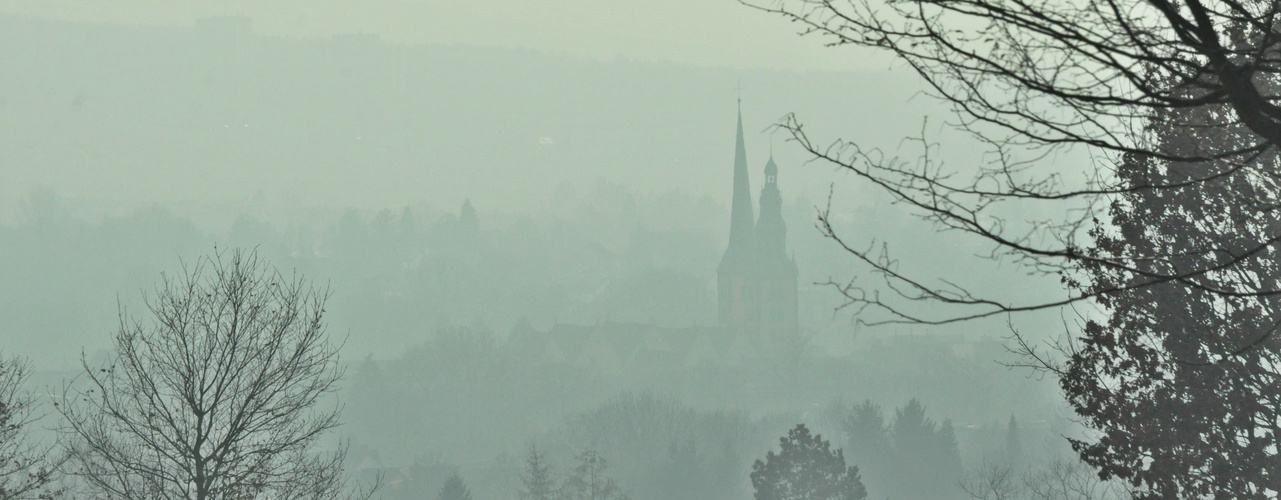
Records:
x=720, y=33
x=120, y=104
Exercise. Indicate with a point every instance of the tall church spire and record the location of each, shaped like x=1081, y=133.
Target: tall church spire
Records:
x=734, y=283
x=741, y=217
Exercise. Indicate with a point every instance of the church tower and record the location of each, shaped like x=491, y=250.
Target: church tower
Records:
x=756, y=280
x=735, y=294
x=775, y=272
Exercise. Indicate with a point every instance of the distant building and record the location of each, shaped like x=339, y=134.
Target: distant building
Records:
x=756, y=280
x=757, y=300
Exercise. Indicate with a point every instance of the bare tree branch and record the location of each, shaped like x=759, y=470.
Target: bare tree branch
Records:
x=27, y=468
x=1032, y=78
x=219, y=396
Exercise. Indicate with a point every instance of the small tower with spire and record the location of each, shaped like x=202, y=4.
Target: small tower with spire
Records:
x=756, y=279
x=775, y=271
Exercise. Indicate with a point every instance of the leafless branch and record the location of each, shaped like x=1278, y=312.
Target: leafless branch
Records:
x=220, y=396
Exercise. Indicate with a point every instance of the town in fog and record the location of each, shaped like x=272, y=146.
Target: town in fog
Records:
x=643, y=250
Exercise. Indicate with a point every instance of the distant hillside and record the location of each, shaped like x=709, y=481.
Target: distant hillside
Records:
x=214, y=113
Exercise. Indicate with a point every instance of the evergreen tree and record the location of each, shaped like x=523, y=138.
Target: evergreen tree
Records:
x=867, y=443
x=947, y=458
x=1179, y=376
x=537, y=479
x=928, y=464
x=865, y=432
x=806, y=468
x=915, y=435
x=588, y=481
x=454, y=489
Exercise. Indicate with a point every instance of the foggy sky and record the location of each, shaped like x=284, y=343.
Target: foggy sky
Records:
x=127, y=111
x=712, y=33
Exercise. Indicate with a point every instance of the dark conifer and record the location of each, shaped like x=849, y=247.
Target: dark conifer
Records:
x=806, y=468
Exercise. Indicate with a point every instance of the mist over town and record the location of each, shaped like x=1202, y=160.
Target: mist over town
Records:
x=637, y=250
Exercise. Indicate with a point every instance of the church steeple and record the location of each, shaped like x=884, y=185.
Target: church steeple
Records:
x=756, y=281
x=741, y=217
x=771, y=231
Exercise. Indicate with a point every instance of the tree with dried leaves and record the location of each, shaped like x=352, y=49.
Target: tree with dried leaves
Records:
x=221, y=395
x=27, y=468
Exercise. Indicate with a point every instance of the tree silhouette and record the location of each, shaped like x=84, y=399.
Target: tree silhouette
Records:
x=454, y=489
x=218, y=397
x=1063, y=478
x=537, y=479
x=805, y=468
x=868, y=443
x=927, y=462
x=26, y=467
x=1179, y=378
x=587, y=479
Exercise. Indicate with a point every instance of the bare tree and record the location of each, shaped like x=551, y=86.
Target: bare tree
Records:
x=218, y=396
x=1065, y=478
x=993, y=481
x=1030, y=79
x=27, y=467
x=1062, y=478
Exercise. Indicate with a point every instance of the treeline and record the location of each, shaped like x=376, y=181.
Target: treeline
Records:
x=453, y=395
x=395, y=272
x=909, y=456
x=658, y=447
x=222, y=388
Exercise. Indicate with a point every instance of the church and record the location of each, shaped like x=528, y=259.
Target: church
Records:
x=756, y=282
x=756, y=300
